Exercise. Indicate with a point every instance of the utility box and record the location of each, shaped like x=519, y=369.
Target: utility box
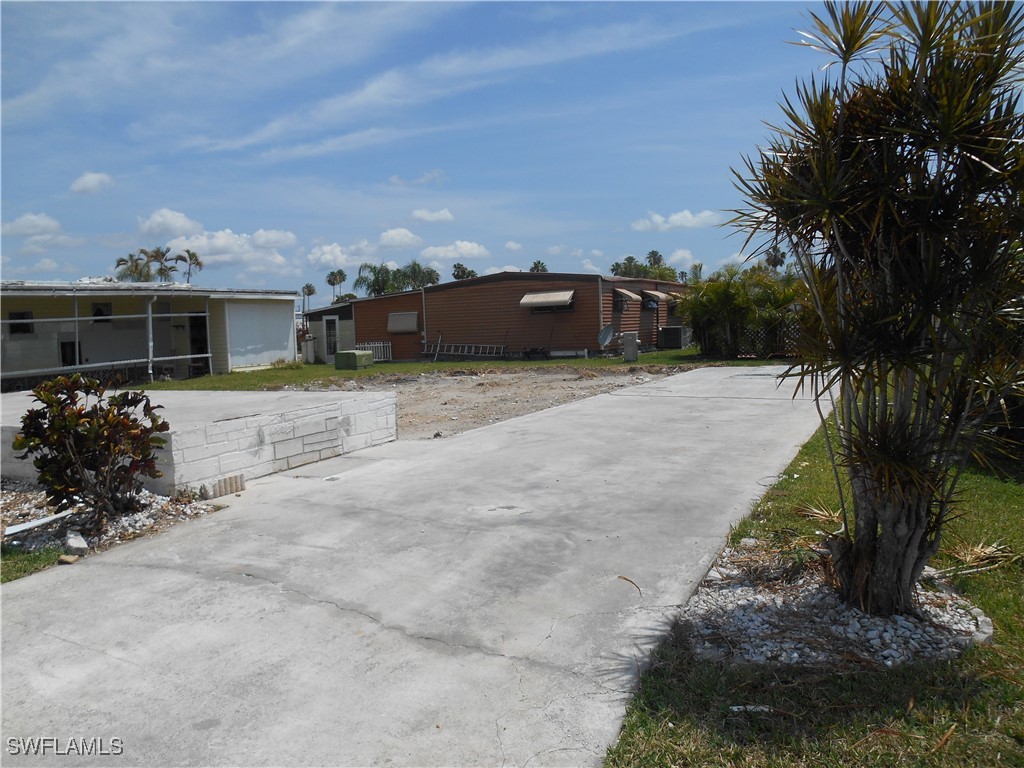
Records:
x=630, y=347
x=353, y=359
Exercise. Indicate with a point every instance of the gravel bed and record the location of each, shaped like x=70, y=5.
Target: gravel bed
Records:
x=754, y=608
x=22, y=502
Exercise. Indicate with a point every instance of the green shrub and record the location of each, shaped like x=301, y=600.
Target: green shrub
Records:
x=90, y=448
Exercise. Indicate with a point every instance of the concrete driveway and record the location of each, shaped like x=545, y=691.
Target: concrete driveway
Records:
x=444, y=602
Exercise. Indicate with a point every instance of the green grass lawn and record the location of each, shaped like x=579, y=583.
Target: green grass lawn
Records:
x=967, y=712
x=15, y=563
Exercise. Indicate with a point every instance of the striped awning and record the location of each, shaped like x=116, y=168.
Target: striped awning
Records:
x=657, y=295
x=627, y=294
x=547, y=299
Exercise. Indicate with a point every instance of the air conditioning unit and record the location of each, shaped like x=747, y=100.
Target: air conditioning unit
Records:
x=674, y=337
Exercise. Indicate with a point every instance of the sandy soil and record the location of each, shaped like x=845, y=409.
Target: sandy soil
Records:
x=446, y=403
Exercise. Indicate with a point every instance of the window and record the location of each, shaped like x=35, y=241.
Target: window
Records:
x=403, y=322
x=620, y=298
x=102, y=311
x=68, y=356
x=21, y=327
x=547, y=310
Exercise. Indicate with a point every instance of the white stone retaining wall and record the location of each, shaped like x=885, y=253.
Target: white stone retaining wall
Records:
x=258, y=445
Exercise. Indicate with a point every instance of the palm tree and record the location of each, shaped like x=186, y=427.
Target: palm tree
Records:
x=539, y=266
x=655, y=259
x=334, y=279
x=159, y=257
x=307, y=290
x=629, y=267
x=462, y=272
x=193, y=262
x=415, y=276
x=376, y=279
x=915, y=283
x=133, y=268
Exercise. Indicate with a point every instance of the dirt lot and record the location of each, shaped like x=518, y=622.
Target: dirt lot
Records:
x=446, y=403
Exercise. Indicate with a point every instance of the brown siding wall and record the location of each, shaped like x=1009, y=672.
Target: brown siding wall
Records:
x=490, y=314
x=371, y=321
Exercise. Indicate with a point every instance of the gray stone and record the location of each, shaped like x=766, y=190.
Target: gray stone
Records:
x=75, y=543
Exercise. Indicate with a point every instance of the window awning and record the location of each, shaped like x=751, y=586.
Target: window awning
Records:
x=627, y=294
x=547, y=299
x=657, y=295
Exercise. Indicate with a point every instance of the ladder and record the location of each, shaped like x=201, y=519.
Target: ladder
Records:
x=464, y=350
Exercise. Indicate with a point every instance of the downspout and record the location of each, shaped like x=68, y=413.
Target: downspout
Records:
x=423, y=298
x=78, y=357
x=149, y=336
x=600, y=308
x=209, y=347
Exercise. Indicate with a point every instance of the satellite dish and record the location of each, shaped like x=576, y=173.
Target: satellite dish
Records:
x=605, y=335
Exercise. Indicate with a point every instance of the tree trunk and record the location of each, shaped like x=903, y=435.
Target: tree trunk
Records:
x=893, y=539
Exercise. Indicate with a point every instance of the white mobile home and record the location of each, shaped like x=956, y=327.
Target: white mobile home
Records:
x=139, y=330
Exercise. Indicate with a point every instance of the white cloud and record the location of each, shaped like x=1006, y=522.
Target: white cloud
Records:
x=133, y=55
x=29, y=224
x=345, y=142
x=506, y=268
x=336, y=256
x=555, y=250
x=682, y=256
x=167, y=223
x=422, y=214
x=512, y=245
x=89, y=183
x=43, y=265
x=248, y=254
x=435, y=176
x=589, y=266
x=400, y=237
x=44, y=243
x=680, y=220
x=273, y=238
x=460, y=249
x=331, y=256
x=597, y=254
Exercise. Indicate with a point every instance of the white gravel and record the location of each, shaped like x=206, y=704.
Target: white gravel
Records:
x=754, y=608
x=22, y=502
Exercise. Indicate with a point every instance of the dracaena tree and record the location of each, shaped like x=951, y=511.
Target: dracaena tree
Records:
x=896, y=184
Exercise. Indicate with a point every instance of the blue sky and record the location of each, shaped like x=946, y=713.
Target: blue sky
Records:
x=283, y=140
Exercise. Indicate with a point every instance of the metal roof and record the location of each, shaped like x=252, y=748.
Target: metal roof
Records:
x=101, y=287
